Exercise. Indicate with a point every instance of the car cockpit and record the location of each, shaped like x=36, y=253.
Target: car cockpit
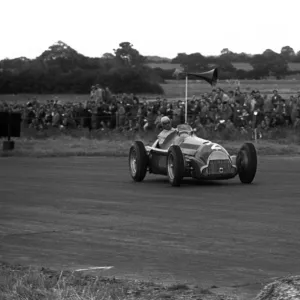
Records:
x=176, y=137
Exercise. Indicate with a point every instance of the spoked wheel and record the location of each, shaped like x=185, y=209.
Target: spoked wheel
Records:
x=171, y=167
x=138, y=161
x=133, y=162
x=247, y=163
x=175, y=165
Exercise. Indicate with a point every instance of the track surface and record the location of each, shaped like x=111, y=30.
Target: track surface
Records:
x=85, y=212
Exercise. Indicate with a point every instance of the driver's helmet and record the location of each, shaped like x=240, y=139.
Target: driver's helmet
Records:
x=165, y=119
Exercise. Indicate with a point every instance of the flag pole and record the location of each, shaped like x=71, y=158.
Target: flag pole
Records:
x=186, y=97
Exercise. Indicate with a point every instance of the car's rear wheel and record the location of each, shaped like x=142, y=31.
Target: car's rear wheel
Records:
x=138, y=161
x=175, y=165
x=247, y=163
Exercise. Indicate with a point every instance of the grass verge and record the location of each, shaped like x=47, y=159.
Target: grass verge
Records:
x=80, y=143
x=70, y=146
x=18, y=282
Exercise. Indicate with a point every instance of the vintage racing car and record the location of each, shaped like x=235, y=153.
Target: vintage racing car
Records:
x=183, y=154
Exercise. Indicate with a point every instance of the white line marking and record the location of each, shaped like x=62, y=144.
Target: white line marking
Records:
x=94, y=268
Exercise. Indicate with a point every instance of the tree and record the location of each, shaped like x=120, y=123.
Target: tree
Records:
x=126, y=55
x=59, y=50
x=62, y=69
x=225, y=51
x=297, y=57
x=108, y=56
x=288, y=53
x=269, y=53
x=181, y=58
x=269, y=63
x=194, y=62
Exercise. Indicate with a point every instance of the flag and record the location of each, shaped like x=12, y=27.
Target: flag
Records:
x=210, y=76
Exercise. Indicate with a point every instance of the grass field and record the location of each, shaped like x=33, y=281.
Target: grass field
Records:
x=21, y=98
x=174, y=88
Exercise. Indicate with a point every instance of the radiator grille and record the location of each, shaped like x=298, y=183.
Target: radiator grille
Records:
x=219, y=166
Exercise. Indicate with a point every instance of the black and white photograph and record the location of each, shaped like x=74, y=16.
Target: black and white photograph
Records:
x=149, y=150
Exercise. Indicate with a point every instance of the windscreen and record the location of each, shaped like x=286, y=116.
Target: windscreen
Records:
x=184, y=127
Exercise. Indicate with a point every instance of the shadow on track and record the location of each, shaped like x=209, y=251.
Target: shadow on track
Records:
x=190, y=182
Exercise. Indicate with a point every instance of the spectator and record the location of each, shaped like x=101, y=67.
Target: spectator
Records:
x=56, y=118
x=104, y=110
x=98, y=94
x=239, y=97
x=150, y=120
x=93, y=93
x=276, y=98
x=121, y=114
x=158, y=125
x=222, y=95
x=177, y=114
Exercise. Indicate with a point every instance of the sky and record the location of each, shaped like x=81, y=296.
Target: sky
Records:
x=154, y=27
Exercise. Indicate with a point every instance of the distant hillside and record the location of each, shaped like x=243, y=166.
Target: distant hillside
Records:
x=242, y=66
x=293, y=66
x=157, y=59
x=164, y=66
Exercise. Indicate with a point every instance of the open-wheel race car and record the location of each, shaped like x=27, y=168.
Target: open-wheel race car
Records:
x=183, y=154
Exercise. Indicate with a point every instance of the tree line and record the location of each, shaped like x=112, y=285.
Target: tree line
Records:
x=264, y=65
x=61, y=69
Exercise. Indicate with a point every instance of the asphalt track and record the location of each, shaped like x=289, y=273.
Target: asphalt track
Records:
x=87, y=212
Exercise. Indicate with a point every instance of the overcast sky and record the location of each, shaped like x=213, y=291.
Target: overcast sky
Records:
x=154, y=27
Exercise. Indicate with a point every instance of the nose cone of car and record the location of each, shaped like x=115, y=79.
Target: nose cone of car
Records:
x=219, y=155
x=207, y=152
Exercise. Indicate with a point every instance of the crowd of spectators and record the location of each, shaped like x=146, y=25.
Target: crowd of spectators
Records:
x=216, y=110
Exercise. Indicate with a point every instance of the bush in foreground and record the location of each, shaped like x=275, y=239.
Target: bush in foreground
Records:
x=18, y=282
x=287, y=288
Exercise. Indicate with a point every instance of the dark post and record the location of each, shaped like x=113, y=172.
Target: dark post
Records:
x=9, y=126
x=8, y=145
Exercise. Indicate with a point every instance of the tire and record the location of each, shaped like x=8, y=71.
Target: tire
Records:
x=247, y=163
x=175, y=165
x=138, y=161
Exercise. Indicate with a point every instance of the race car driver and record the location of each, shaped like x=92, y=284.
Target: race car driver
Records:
x=167, y=129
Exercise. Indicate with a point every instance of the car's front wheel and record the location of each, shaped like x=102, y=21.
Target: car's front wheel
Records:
x=175, y=165
x=138, y=161
x=247, y=163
